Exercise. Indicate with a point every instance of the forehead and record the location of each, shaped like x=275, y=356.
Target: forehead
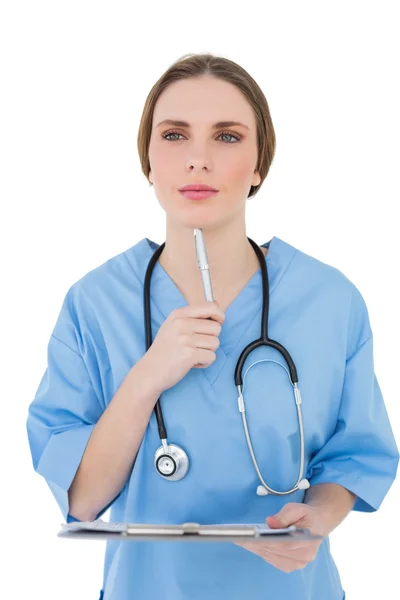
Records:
x=203, y=100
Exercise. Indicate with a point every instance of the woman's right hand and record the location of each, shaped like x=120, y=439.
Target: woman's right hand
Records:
x=187, y=339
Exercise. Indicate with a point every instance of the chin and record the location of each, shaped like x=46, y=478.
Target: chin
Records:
x=206, y=224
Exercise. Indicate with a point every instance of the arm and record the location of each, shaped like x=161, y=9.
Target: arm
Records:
x=113, y=445
x=71, y=428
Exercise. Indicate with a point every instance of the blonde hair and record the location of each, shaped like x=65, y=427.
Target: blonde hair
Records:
x=196, y=65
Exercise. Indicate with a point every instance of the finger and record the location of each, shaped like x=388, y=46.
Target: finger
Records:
x=283, y=563
x=306, y=550
x=301, y=555
x=282, y=549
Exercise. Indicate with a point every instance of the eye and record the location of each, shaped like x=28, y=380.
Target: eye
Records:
x=225, y=133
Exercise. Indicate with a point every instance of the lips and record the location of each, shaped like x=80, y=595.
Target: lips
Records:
x=194, y=187
x=198, y=194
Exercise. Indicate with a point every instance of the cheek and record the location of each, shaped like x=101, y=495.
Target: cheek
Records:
x=162, y=163
x=237, y=172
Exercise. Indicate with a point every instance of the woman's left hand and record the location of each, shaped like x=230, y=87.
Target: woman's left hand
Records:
x=289, y=556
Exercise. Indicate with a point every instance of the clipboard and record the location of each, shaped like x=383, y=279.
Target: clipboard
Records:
x=184, y=532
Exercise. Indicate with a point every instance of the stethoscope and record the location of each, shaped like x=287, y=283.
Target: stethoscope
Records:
x=170, y=460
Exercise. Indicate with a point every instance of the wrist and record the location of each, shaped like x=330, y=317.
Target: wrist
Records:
x=331, y=501
x=143, y=376
x=324, y=525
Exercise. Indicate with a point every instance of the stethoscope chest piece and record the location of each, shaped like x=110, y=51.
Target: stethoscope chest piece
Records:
x=172, y=465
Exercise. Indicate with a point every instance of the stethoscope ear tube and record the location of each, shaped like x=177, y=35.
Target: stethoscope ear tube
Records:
x=264, y=489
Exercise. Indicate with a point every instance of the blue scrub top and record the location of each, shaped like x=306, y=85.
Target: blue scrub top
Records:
x=322, y=320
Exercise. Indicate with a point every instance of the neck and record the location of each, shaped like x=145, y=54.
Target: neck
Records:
x=230, y=255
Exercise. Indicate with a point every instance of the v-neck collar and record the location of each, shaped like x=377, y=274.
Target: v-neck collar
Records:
x=165, y=295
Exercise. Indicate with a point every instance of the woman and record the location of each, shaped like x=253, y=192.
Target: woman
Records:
x=92, y=428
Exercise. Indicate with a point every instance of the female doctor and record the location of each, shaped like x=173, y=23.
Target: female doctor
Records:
x=92, y=426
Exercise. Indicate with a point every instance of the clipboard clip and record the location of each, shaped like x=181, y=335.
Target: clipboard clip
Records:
x=190, y=528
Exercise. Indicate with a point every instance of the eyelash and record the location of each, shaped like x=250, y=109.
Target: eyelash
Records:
x=236, y=136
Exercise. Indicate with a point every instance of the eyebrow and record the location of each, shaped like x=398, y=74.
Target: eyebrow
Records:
x=186, y=124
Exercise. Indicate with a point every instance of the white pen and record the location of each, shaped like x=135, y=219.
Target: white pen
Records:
x=203, y=264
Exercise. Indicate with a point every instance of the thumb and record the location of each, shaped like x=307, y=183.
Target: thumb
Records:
x=288, y=515
x=274, y=522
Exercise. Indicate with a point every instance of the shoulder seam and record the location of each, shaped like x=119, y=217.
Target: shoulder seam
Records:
x=359, y=348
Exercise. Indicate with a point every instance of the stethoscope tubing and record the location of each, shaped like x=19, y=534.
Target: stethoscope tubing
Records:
x=263, y=340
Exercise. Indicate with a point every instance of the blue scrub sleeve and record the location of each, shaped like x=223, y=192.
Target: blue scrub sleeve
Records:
x=64, y=412
x=362, y=454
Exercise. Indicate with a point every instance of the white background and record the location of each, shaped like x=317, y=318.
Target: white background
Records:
x=74, y=78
